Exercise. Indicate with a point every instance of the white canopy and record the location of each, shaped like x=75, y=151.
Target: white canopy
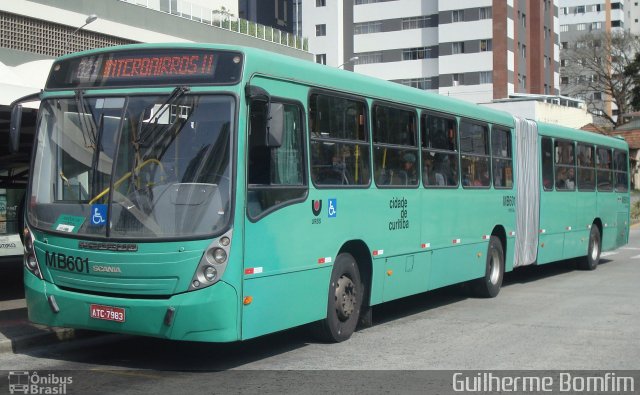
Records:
x=23, y=80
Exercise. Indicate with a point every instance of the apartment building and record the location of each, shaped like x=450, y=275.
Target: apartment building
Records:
x=577, y=19
x=476, y=50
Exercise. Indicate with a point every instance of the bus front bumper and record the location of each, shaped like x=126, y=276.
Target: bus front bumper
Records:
x=208, y=315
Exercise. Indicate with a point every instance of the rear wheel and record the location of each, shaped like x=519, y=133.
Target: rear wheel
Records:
x=489, y=285
x=590, y=262
x=344, y=301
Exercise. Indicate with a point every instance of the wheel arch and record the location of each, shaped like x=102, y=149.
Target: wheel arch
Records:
x=598, y=222
x=361, y=253
x=501, y=234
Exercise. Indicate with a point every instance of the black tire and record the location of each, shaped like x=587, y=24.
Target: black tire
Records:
x=489, y=285
x=591, y=260
x=344, y=301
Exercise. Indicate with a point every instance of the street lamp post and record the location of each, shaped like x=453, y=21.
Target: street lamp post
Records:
x=91, y=18
x=351, y=59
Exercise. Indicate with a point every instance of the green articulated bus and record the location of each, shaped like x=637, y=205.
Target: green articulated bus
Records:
x=217, y=193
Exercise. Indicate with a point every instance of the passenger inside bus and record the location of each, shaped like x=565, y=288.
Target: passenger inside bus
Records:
x=409, y=172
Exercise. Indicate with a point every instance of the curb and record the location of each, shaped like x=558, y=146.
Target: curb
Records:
x=52, y=336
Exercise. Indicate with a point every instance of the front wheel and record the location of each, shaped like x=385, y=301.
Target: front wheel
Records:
x=489, y=285
x=590, y=262
x=344, y=301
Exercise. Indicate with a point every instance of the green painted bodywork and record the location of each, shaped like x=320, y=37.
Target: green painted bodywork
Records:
x=291, y=251
x=567, y=216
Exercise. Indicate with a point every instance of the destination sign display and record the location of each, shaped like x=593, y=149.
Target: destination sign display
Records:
x=147, y=68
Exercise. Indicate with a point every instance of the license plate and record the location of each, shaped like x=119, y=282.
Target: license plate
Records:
x=107, y=313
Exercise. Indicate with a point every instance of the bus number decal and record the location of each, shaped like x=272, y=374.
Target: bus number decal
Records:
x=509, y=201
x=401, y=204
x=61, y=261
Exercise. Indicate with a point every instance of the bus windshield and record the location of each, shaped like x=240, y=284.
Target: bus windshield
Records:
x=137, y=166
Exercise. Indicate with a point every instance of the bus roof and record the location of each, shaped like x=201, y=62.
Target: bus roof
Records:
x=563, y=132
x=262, y=62
x=273, y=65
x=313, y=74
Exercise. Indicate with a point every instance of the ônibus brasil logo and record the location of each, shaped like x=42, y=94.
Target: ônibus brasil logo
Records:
x=23, y=382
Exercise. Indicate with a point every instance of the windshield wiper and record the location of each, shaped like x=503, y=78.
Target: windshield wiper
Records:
x=149, y=129
x=82, y=121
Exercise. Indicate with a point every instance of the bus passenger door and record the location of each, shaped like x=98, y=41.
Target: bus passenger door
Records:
x=278, y=287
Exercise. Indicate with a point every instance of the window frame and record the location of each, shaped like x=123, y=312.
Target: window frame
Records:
x=580, y=168
x=563, y=165
x=305, y=168
x=509, y=131
x=487, y=154
x=599, y=169
x=617, y=151
x=362, y=143
x=423, y=149
x=415, y=148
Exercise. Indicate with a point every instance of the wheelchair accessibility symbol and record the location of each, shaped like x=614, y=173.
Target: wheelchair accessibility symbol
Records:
x=99, y=214
x=333, y=208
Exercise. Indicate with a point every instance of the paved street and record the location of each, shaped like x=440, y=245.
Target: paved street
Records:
x=549, y=317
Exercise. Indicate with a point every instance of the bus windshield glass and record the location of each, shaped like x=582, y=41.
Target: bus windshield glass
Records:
x=132, y=167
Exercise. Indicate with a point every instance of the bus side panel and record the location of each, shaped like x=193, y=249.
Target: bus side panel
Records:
x=406, y=275
x=457, y=264
x=555, y=216
x=283, y=272
x=607, y=212
x=575, y=243
x=285, y=300
x=622, y=220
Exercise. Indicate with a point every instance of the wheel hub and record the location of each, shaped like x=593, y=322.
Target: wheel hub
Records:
x=346, y=298
x=494, y=267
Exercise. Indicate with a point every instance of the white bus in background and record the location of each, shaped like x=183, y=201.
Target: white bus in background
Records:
x=11, y=248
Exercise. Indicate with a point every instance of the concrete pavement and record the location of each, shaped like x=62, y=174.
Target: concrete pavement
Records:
x=16, y=332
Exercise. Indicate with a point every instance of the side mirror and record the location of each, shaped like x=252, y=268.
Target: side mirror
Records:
x=14, y=129
x=275, y=125
x=267, y=118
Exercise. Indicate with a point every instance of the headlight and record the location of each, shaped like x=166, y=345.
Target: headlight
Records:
x=32, y=263
x=219, y=255
x=210, y=273
x=213, y=263
x=30, y=260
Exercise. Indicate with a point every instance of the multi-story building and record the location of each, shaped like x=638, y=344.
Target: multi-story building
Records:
x=633, y=16
x=577, y=19
x=278, y=13
x=477, y=50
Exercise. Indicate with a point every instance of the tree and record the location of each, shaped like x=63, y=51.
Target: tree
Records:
x=633, y=71
x=594, y=70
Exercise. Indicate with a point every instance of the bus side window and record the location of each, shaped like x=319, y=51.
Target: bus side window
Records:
x=604, y=165
x=439, y=151
x=474, y=148
x=502, y=164
x=620, y=169
x=546, y=152
x=339, y=146
x=275, y=174
x=395, y=148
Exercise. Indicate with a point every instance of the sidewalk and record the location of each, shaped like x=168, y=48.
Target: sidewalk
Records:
x=18, y=334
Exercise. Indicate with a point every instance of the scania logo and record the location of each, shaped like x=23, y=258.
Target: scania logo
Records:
x=106, y=269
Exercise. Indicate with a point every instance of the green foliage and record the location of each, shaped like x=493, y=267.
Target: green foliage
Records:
x=632, y=70
x=635, y=211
